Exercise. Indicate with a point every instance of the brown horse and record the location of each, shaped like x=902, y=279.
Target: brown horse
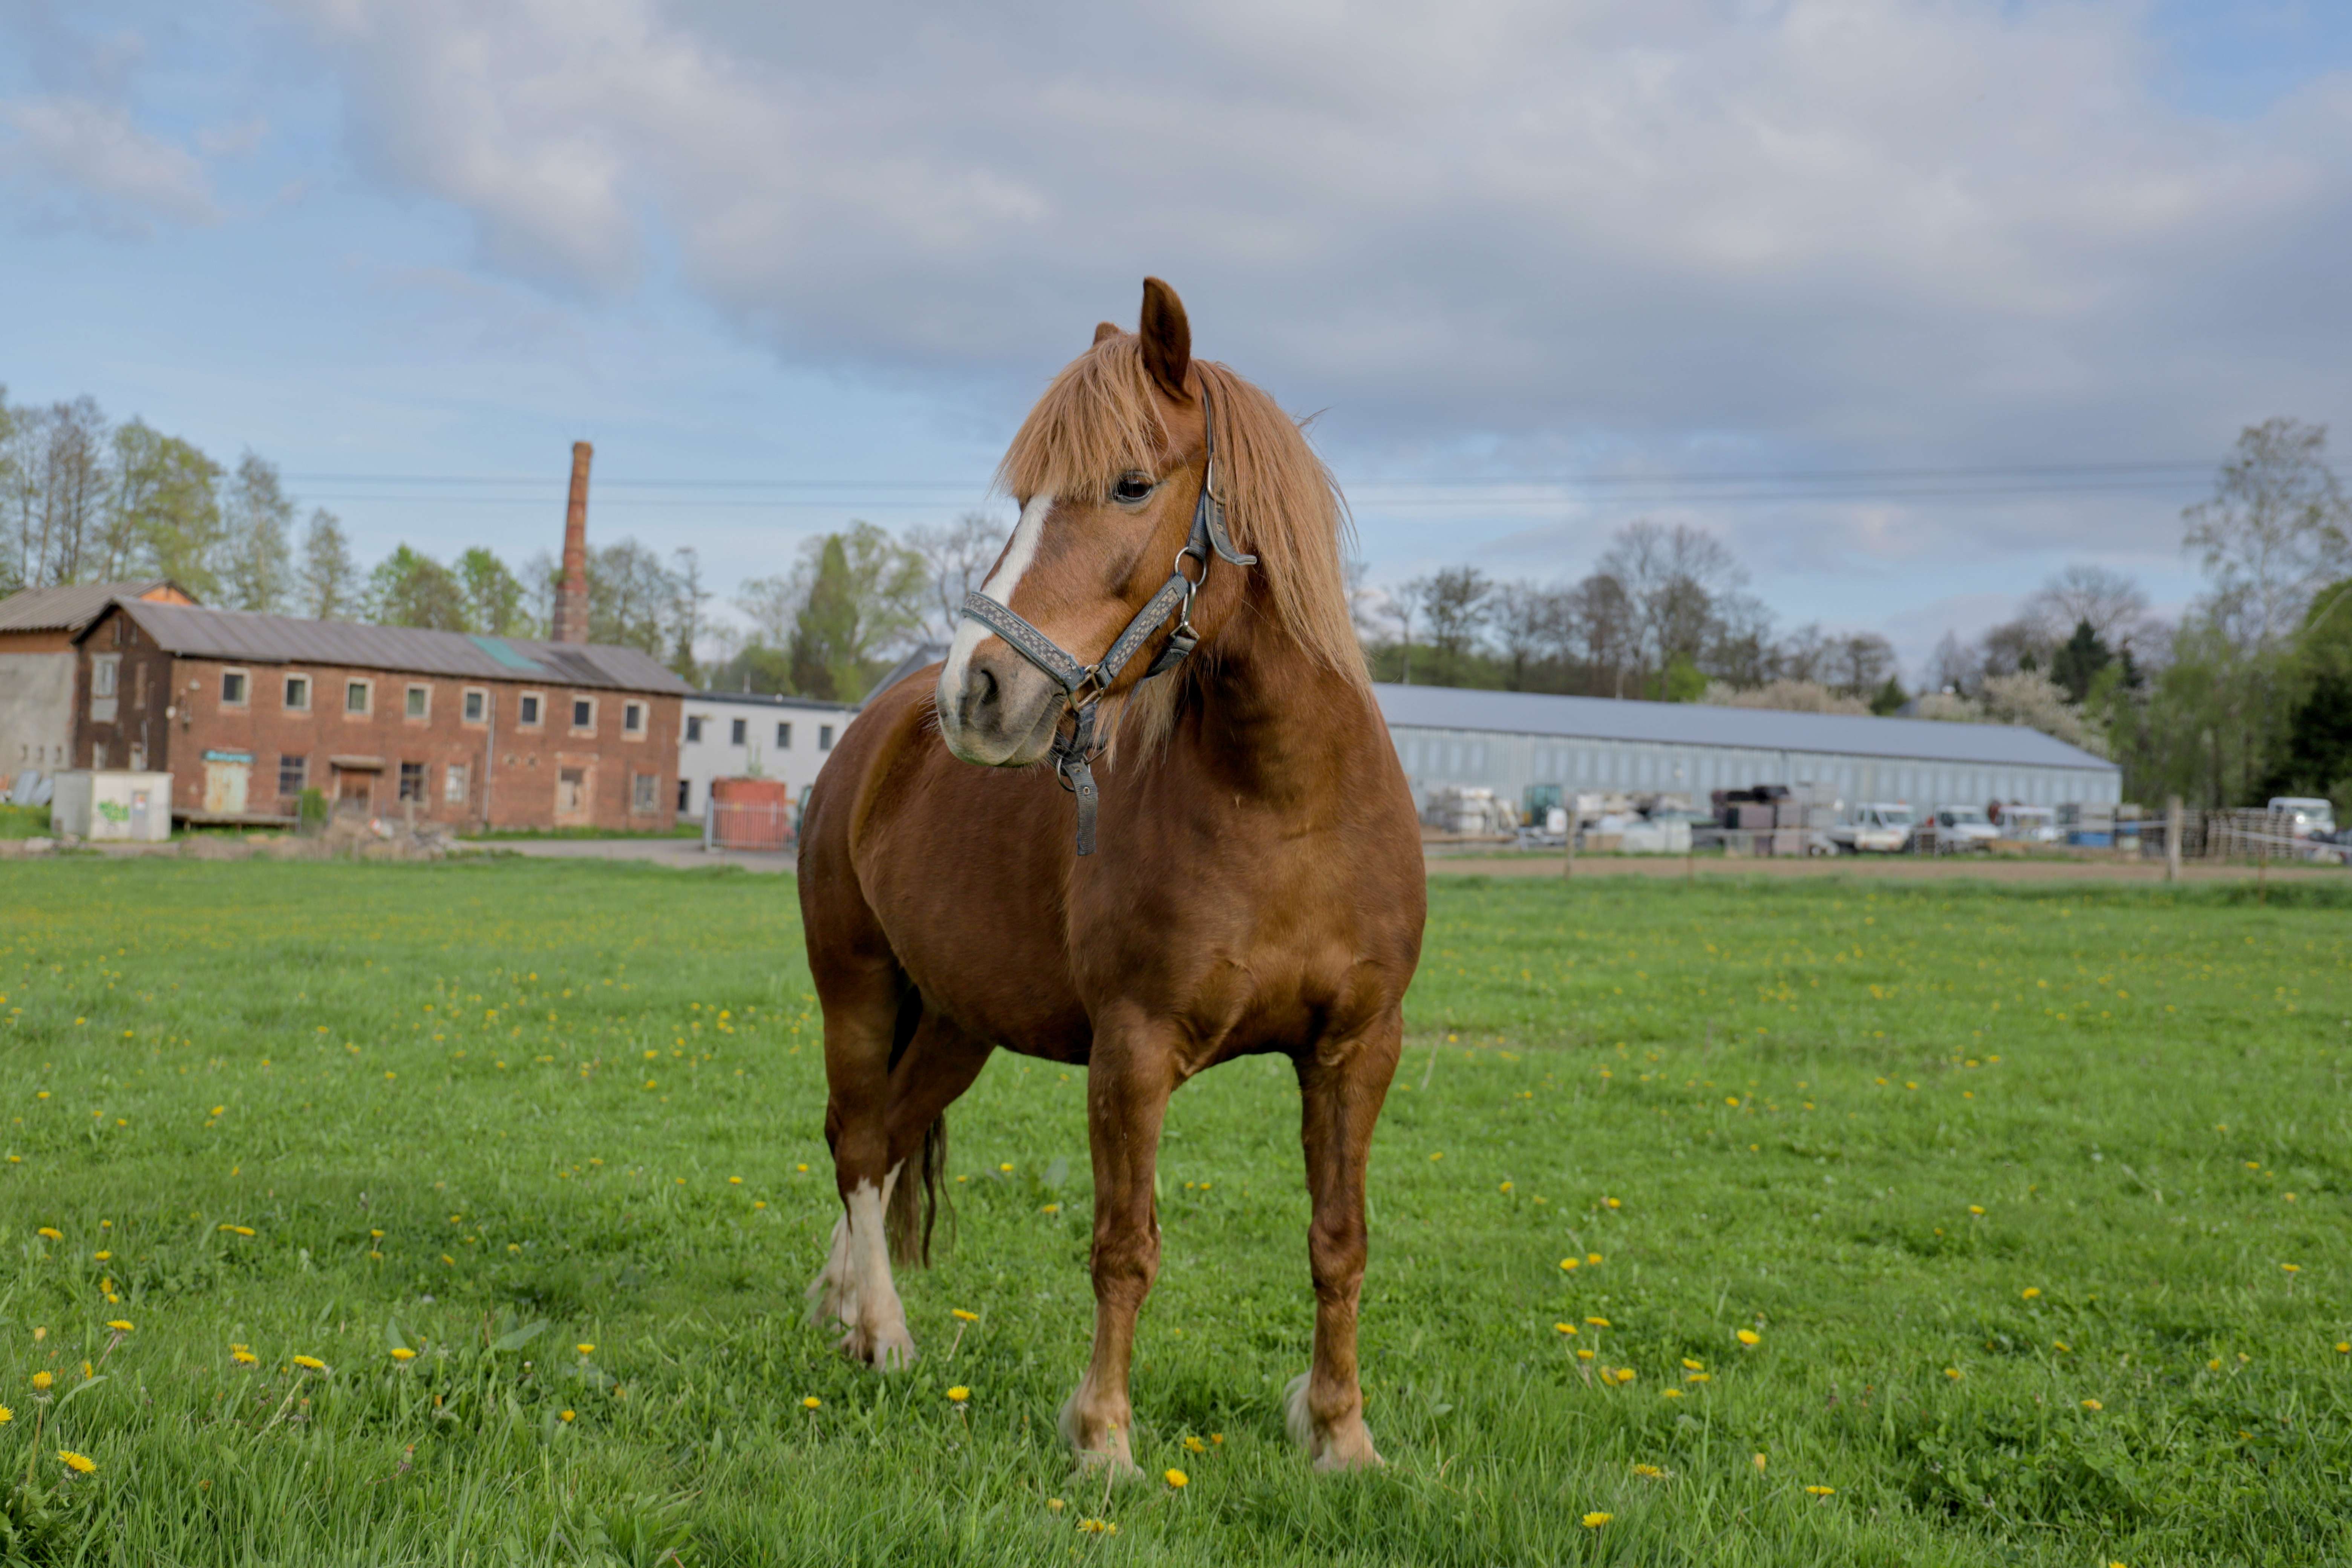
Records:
x=1258, y=886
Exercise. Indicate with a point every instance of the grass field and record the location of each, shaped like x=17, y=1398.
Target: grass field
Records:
x=1929, y=1224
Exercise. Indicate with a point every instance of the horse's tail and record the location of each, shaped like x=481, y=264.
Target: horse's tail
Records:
x=917, y=1198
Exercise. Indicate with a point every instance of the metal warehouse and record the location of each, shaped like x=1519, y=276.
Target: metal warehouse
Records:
x=1518, y=741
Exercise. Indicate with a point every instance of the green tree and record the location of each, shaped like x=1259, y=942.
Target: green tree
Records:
x=866, y=594
x=492, y=595
x=1889, y=697
x=409, y=588
x=2079, y=659
x=323, y=587
x=165, y=513
x=254, y=573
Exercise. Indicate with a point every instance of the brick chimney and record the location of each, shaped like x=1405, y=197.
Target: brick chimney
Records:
x=571, y=594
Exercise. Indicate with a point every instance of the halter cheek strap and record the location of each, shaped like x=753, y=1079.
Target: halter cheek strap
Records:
x=1074, y=748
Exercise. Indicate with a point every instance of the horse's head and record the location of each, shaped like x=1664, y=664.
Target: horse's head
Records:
x=1108, y=469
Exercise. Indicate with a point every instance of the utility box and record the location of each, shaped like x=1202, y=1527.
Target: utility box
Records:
x=108, y=807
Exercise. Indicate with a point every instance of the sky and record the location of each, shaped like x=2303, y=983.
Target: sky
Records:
x=1911, y=302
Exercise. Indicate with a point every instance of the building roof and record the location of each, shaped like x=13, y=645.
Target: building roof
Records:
x=764, y=700
x=922, y=657
x=1698, y=724
x=192, y=630
x=73, y=606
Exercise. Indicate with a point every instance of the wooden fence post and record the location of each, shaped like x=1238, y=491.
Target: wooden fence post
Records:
x=2172, y=839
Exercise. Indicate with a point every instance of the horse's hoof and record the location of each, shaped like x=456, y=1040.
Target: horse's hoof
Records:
x=1106, y=1462
x=1345, y=1446
x=885, y=1349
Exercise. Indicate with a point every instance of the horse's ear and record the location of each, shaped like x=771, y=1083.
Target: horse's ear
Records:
x=1167, y=338
x=1105, y=329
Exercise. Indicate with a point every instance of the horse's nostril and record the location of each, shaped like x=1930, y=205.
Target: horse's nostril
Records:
x=984, y=687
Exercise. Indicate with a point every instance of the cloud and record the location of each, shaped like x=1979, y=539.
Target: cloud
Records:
x=1528, y=237
x=90, y=165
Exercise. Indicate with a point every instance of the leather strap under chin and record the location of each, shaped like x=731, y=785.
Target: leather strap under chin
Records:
x=1083, y=685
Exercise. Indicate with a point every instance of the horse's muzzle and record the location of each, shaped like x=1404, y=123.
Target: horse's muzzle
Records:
x=995, y=708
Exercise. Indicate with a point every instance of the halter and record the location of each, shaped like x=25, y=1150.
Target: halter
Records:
x=1075, y=749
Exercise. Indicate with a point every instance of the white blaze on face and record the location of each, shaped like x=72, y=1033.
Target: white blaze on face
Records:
x=999, y=587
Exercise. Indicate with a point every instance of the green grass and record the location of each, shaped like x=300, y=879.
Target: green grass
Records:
x=680, y=830
x=1766, y=1106
x=23, y=821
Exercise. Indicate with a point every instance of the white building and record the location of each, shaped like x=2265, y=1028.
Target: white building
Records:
x=1522, y=744
x=733, y=734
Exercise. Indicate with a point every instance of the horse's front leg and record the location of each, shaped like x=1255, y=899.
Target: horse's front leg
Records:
x=1128, y=1083
x=1341, y=1086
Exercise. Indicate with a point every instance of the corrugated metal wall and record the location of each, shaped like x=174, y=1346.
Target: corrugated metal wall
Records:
x=1509, y=764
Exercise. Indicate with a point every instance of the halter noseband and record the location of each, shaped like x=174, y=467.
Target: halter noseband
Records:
x=1075, y=749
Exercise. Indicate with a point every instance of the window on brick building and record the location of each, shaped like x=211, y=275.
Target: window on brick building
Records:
x=528, y=711
x=645, y=789
x=234, y=686
x=293, y=775
x=359, y=697
x=298, y=694
x=783, y=737
x=477, y=705
x=412, y=781
x=694, y=729
x=453, y=783
x=583, y=714
x=633, y=719
x=419, y=702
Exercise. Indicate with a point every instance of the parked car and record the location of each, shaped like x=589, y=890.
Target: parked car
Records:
x=2313, y=817
x=2029, y=824
x=1874, y=827
x=1963, y=828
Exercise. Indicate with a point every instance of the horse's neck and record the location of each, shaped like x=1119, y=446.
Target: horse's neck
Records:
x=1270, y=720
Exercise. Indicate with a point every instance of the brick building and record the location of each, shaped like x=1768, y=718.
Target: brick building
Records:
x=37, y=627
x=248, y=711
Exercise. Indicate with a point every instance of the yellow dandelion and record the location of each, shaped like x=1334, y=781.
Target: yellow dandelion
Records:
x=1584, y=1355
x=1670, y=1394
x=1598, y=1322
x=1177, y=1479
x=50, y=1233
x=79, y=1464
x=1596, y=1519
x=1194, y=1446
x=1953, y=1372
x=1691, y=1365
x=309, y=1364
x=2093, y=1405
x=1593, y=1258
x=2062, y=1345
x=1006, y=1168
x=958, y=1394
x=1976, y=1209
x=1055, y=1504
x=1750, y=1338
x=1504, y=1188
x=1648, y=1472
x=2292, y=1267
x=1761, y=1461
x=102, y=1257
x=6, y=1416
x=2344, y=1347
x=243, y=1357
x=734, y=1180
x=1565, y=1327
x=1624, y=1375
x=1698, y=1377
x=585, y=1349
x=961, y=1316
x=1571, y=1263
x=566, y=1414
x=1821, y=1491
x=812, y=1403
x=2029, y=1292
x=119, y=1325
x=1051, y=1208
x=41, y=1381
x=402, y=1352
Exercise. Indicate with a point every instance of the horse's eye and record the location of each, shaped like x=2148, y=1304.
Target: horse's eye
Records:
x=1132, y=487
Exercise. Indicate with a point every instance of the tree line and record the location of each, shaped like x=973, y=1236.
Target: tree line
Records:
x=2248, y=695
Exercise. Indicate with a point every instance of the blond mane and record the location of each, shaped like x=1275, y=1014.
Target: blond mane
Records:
x=1100, y=417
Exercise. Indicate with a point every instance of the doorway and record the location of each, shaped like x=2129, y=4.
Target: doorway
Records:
x=574, y=796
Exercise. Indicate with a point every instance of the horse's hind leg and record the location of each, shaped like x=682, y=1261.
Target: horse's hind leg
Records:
x=936, y=1062
x=1340, y=1089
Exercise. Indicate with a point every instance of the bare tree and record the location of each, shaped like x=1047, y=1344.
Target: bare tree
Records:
x=1673, y=577
x=1455, y=603
x=1954, y=668
x=258, y=513
x=2110, y=602
x=1861, y=664
x=1403, y=606
x=324, y=585
x=2276, y=530
x=1599, y=629
x=956, y=557
x=772, y=606
x=1524, y=617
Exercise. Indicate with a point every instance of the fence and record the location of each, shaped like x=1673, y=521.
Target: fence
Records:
x=771, y=825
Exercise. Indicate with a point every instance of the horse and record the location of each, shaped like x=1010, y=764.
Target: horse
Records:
x=1258, y=885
